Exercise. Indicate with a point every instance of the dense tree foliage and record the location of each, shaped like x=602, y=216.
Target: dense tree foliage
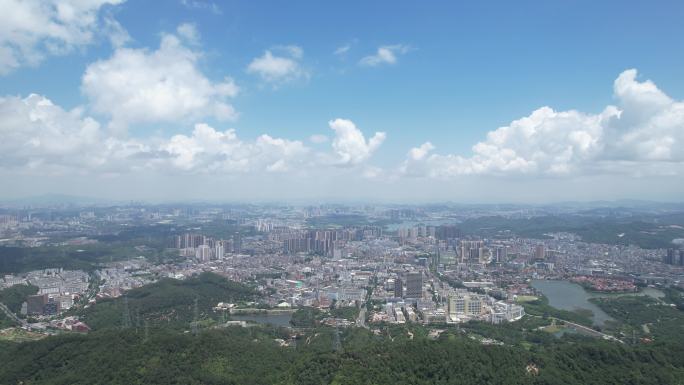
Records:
x=15, y=295
x=675, y=296
x=471, y=353
x=647, y=231
x=645, y=317
x=230, y=356
x=305, y=317
x=168, y=302
x=348, y=312
x=237, y=355
x=82, y=257
x=540, y=307
x=5, y=321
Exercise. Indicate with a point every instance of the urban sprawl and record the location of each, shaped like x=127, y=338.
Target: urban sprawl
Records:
x=411, y=265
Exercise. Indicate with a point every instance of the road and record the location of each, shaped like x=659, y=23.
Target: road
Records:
x=13, y=316
x=583, y=328
x=589, y=330
x=361, y=319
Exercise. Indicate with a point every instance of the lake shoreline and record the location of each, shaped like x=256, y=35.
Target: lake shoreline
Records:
x=247, y=311
x=570, y=296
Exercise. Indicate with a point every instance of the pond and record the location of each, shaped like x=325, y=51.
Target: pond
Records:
x=282, y=320
x=570, y=296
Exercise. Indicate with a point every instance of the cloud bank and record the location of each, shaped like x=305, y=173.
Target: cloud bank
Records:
x=642, y=135
x=41, y=138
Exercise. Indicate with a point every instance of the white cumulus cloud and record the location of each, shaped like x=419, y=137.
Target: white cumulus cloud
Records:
x=341, y=50
x=281, y=67
x=318, y=138
x=643, y=134
x=209, y=150
x=418, y=153
x=165, y=85
x=32, y=29
x=350, y=145
x=188, y=31
x=386, y=54
x=41, y=138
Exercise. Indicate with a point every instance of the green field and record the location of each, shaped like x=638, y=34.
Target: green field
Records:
x=19, y=335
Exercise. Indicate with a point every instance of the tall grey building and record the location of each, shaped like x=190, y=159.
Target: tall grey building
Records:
x=398, y=288
x=414, y=285
x=237, y=243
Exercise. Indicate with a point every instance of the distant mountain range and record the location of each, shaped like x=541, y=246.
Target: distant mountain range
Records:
x=54, y=199
x=601, y=205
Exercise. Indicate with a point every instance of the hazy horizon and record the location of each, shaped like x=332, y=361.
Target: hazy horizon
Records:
x=203, y=103
x=81, y=200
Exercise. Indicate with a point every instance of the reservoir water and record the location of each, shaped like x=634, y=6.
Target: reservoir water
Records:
x=567, y=295
x=282, y=320
x=570, y=296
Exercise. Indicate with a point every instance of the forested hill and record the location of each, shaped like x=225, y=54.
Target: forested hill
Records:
x=168, y=302
x=244, y=356
x=652, y=231
x=157, y=348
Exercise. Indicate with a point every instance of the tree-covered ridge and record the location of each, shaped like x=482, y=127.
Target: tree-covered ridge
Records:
x=82, y=257
x=471, y=353
x=5, y=321
x=15, y=295
x=168, y=302
x=235, y=356
x=647, y=231
x=645, y=318
x=238, y=355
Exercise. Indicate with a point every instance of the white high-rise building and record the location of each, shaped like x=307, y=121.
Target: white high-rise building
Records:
x=203, y=253
x=219, y=250
x=461, y=305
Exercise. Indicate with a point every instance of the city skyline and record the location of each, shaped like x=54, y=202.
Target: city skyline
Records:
x=203, y=102
x=359, y=192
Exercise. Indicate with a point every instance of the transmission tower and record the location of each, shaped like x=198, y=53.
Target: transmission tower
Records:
x=147, y=330
x=126, y=321
x=195, y=318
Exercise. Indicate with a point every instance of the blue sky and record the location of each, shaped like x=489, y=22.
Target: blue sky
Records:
x=456, y=72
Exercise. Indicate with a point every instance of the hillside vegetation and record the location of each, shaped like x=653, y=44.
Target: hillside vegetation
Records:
x=165, y=353
x=168, y=302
